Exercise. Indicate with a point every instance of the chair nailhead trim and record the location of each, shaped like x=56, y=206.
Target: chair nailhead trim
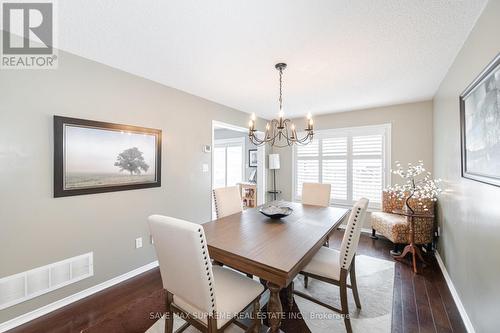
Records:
x=351, y=235
x=209, y=278
x=215, y=204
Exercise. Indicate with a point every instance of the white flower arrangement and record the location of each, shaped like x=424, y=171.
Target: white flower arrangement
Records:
x=418, y=185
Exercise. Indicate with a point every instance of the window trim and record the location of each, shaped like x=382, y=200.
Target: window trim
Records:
x=385, y=129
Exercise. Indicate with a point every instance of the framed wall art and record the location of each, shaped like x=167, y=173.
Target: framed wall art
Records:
x=480, y=126
x=252, y=158
x=96, y=157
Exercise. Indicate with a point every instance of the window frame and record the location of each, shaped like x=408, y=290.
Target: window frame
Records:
x=349, y=132
x=233, y=142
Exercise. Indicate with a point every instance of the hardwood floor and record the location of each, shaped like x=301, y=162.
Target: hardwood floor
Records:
x=422, y=302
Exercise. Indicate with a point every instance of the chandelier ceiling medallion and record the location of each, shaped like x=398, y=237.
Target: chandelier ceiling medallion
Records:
x=281, y=132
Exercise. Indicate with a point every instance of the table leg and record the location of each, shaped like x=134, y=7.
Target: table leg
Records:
x=256, y=325
x=274, y=307
x=290, y=296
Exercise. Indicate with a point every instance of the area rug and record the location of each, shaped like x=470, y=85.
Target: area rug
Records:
x=159, y=327
x=375, y=279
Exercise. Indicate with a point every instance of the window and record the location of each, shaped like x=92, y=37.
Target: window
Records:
x=228, y=162
x=355, y=161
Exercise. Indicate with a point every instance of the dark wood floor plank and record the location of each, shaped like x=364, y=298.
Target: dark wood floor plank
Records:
x=132, y=317
x=450, y=319
x=439, y=312
x=397, y=303
x=454, y=317
x=410, y=315
x=424, y=311
x=86, y=312
x=421, y=302
x=441, y=320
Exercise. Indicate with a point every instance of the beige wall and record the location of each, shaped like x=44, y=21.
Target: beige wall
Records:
x=35, y=228
x=411, y=135
x=469, y=211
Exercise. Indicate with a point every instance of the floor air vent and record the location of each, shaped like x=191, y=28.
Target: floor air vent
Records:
x=21, y=287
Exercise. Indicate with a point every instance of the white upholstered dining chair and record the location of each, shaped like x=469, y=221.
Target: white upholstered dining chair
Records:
x=208, y=297
x=333, y=266
x=316, y=194
x=227, y=201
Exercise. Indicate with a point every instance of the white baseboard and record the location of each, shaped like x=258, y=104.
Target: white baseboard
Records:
x=454, y=294
x=22, y=319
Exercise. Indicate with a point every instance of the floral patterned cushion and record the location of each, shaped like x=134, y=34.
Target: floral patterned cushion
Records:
x=391, y=203
x=396, y=227
x=393, y=227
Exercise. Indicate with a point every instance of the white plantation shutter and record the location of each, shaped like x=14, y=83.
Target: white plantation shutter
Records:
x=367, y=167
x=334, y=164
x=334, y=147
x=367, y=145
x=307, y=172
x=308, y=151
x=354, y=161
x=307, y=167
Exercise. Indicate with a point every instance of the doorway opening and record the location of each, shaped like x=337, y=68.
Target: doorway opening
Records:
x=237, y=162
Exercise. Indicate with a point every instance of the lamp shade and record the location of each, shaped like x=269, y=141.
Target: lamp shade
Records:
x=274, y=161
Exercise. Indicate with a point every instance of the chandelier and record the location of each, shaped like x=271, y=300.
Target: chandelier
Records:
x=281, y=132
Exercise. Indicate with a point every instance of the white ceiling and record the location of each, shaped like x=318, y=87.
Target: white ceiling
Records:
x=342, y=55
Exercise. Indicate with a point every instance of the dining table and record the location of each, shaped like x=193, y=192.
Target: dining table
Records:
x=275, y=250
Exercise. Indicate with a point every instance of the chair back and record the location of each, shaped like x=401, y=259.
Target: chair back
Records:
x=352, y=233
x=227, y=201
x=391, y=202
x=316, y=194
x=185, y=267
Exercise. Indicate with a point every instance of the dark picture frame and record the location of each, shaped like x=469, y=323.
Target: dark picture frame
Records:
x=252, y=158
x=141, y=174
x=480, y=126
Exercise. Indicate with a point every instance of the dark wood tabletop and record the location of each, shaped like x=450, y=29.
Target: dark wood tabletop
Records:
x=274, y=250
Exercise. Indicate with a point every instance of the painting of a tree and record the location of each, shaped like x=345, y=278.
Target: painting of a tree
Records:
x=132, y=160
x=96, y=157
x=480, y=117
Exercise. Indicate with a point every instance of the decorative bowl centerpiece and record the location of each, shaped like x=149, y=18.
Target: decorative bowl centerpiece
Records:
x=275, y=212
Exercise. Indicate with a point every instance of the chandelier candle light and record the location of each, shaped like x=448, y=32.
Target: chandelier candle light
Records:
x=281, y=132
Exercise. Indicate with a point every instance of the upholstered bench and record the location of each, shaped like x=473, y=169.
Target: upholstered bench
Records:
x=396, y=227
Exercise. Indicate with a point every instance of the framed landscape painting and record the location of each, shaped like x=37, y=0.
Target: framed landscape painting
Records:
x=96, y=157
x=252, y=157
x=480, y=126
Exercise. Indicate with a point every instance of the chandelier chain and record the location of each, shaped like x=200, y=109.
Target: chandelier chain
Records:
x=281, y=89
